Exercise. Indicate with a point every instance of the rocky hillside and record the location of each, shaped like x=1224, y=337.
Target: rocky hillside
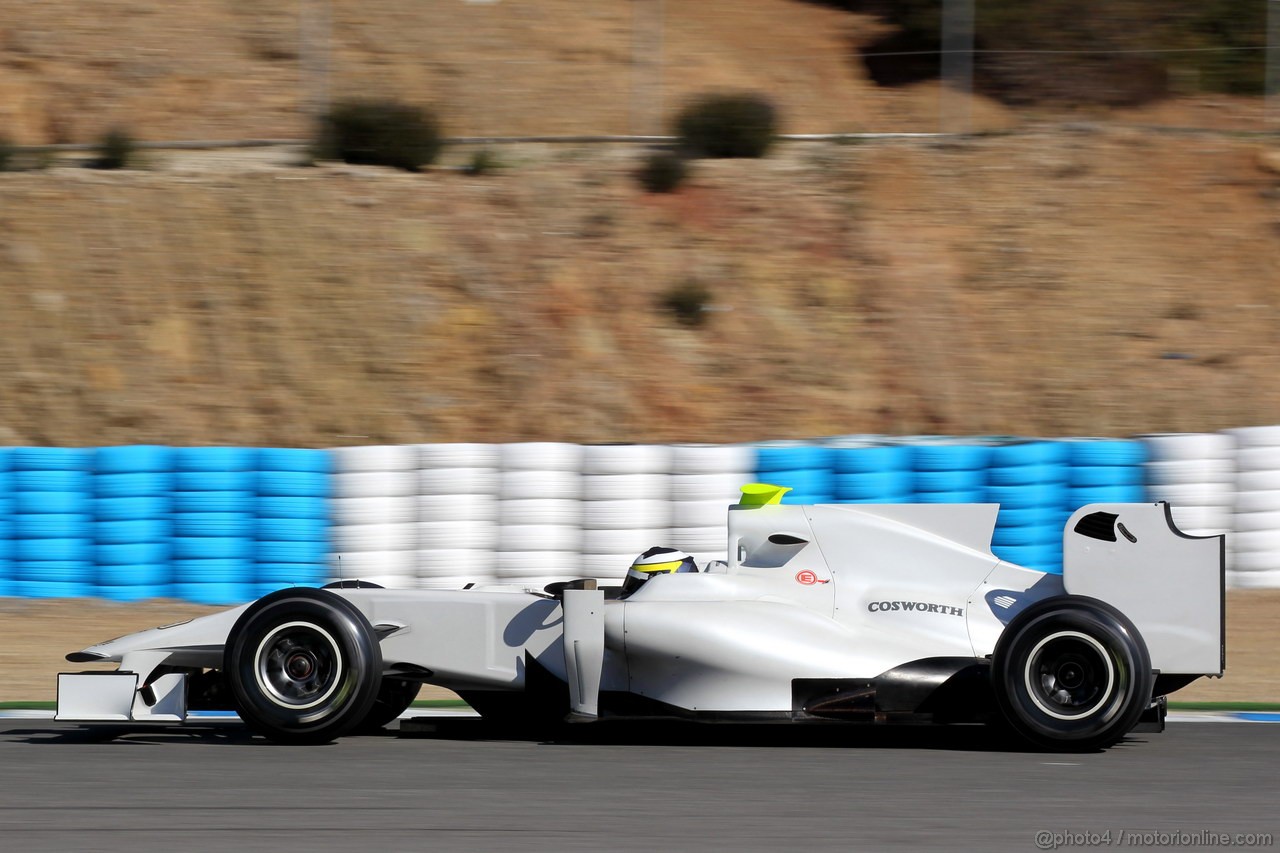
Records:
x=1065, y=281
x=201, y=70
x=1062, y=278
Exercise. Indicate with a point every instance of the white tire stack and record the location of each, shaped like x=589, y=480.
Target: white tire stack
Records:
x=375, y=534
x=625, y=506
x=539, y=530
x=1253, y=559
x=705, y=480
x=457, y=514
x=1195, y=473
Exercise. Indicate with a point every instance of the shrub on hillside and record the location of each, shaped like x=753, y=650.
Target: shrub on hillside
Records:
x=116, y=150
x=483, y=162
x=687, y=301
x=728, y=125
x=663, y=172
x=1110, y=52
x=380, y=133
x=16, y=159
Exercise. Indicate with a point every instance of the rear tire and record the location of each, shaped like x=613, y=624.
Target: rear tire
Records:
x=1072, y=673
x=304, y=666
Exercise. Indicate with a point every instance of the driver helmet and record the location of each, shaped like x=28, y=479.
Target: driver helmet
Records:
x=656, y=561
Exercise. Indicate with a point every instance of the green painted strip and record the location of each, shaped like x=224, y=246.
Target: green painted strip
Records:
x=1224, y=706
x=439, y=703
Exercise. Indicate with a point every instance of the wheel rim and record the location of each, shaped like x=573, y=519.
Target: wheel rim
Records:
x=1070, y=675
x=298, y=665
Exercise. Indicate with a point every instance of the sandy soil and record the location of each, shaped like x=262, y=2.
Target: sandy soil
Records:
x=34, y=637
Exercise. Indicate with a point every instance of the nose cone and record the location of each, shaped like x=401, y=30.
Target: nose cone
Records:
x=203, y=637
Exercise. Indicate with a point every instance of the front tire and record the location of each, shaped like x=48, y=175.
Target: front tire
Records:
x=1072, y=673
x=304, y=666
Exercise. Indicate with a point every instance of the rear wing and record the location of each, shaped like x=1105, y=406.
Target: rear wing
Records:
x=1171, y=585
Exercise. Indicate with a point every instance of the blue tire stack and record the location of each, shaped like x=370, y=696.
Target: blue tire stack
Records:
x=804, y=467
x=6, y=525
x=872, y=474
x=213, y=524
x=1029, y=481
x=292, y=518
x=132, y=525
x=947, y=471
x=1104, y=471
x=52, y=522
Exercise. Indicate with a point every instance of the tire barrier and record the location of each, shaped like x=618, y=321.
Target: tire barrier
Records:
x=133, y=523
x=1195, y=473
x=949, y=470
x=6, y=524
x=1028, y=478
x=223, y=525
x=704, y=480
x=865, y=469
x=375, y=530
x=52, y=522
x=1104, y=470
x=540, y=552
x=625, y=506
x=1254, y=549
x=803, y=467
x=291, y=527
x=212, y=546
x=457, y=514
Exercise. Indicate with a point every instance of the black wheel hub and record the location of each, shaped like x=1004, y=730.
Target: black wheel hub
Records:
x=1068, y=676
x=1071, y=675
x=298, y=665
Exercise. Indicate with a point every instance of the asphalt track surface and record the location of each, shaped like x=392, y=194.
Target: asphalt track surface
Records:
x=464, y=786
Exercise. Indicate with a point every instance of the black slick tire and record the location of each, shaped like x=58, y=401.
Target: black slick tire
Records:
x=1071, y=673
x=304, y=666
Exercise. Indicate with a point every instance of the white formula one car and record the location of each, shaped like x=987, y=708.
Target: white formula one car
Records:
x=848, y=613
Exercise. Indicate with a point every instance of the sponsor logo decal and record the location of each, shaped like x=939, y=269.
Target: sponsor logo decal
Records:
x=808, y=578
x=917, y=606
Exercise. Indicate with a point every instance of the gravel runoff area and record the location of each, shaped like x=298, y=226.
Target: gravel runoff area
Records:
x=35, y=636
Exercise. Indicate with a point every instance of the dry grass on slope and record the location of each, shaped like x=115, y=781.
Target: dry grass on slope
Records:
x=198, y=70
x=1052, y=284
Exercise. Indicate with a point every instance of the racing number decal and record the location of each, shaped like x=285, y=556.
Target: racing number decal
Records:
x=808, y=578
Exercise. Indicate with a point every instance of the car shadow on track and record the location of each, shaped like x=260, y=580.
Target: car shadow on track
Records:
x=81, y=735
x=966, y=738
x=961, y=738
